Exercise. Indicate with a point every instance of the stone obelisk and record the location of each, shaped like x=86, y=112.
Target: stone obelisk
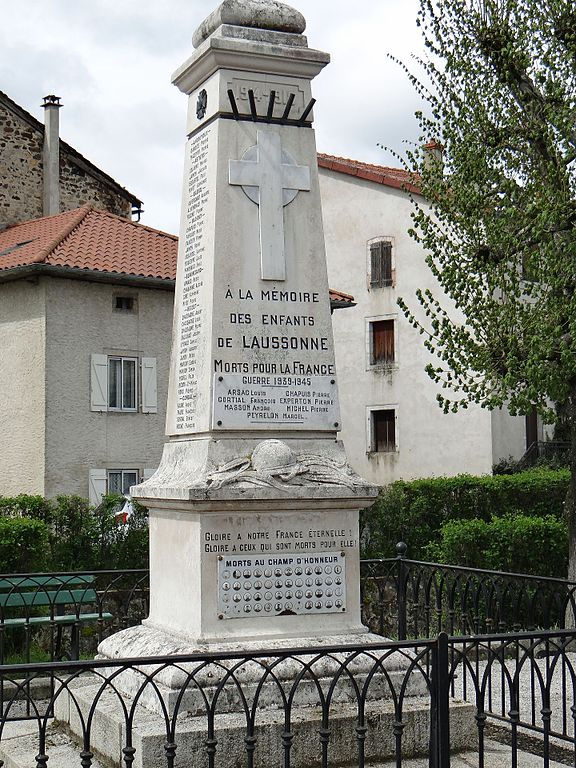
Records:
x=254, y=509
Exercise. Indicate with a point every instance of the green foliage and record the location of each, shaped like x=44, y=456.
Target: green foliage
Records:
x=23, y=545
x=73, y=532
x=66, y=534
x=517, y=543
x=121, y=546
x=499, y=222
x=415, y=511
x=28, y=506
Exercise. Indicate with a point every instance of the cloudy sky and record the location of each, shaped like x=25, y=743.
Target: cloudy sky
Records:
x=111, y=62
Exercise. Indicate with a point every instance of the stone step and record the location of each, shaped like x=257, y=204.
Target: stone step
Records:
x=19, y=747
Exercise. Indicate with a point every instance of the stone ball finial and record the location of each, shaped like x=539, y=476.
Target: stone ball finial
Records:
x=261, y=14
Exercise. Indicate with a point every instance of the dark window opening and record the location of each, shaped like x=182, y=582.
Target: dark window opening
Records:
x=382, y=341
x=384, y=431
x=124, y=303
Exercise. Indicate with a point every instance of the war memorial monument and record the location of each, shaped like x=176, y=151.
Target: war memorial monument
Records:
x=254, y=508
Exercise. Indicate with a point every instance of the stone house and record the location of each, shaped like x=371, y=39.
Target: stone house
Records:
x=41, y=174
x=391, y=423
x=85, y=324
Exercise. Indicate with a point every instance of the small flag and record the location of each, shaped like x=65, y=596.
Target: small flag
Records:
x=126, y=512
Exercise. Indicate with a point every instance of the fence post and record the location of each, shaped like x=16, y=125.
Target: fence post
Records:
x=401, y=548
x=439, y=705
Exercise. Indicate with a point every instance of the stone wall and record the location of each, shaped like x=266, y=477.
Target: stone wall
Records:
x=21, y=167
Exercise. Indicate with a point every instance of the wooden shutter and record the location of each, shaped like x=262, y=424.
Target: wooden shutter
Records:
x=376, y=265
x=97, y=480
x=149, y=385
x=383, y=341
x=386, y=268
x=98, y=382
x=381, y=264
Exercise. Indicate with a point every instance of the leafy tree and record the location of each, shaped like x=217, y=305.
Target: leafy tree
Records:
x=498, y=215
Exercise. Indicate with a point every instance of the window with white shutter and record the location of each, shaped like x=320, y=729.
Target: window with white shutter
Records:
x=99, y=382
x=149, y=385
x=117, y=383
x=97, y=485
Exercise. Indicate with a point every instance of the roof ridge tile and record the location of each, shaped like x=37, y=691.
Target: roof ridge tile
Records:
x=81, y=213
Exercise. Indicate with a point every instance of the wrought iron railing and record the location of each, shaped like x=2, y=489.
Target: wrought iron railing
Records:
x=326, y=706
x=66, y=615
x=405, y=598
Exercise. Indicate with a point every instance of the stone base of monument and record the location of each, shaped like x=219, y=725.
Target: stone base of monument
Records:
x=149, y=738
x=240, y=686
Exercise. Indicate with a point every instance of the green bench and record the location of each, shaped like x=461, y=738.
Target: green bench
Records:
x=53, y=601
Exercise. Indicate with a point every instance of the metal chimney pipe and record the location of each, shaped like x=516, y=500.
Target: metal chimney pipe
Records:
x=51, y=193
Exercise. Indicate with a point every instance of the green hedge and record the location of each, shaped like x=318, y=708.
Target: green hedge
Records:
x=23, y=545
x=416, y=511
x=67, y=534
x=517, y=543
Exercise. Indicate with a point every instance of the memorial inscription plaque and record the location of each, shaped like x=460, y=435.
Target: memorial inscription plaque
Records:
x=193, y=265
x=257, y=402
x=281, y=585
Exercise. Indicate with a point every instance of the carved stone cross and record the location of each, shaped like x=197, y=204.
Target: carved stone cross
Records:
x=271, y=179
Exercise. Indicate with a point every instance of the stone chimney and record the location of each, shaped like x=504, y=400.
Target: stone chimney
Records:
x=434, y=157
x=51, y=195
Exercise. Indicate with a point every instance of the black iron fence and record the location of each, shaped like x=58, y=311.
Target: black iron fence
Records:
x=55, y=616
x=506, y=698
x=405, y=598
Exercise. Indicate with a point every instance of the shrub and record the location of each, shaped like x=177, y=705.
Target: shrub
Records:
x=23, y=545
x=26, y=506
x=517, y=543
x=415, y=511
x=121, y=546
x=73, y=535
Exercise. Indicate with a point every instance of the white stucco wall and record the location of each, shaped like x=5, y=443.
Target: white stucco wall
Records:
x=80, y=322
x=22, y=372
x=430, y=443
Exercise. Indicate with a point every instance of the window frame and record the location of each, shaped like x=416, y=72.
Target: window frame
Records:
x=381, y=278
x=146, y=383
x=125, y=297
x=123, y=408
x=122, y=472
x=371, y=429
x=370, y=328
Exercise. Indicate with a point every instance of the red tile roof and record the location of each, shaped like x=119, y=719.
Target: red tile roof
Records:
x=389, y=177
x=90, y=239
x=94, y=240
x=341, y=298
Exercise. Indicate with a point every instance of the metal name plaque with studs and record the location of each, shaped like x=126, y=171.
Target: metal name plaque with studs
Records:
x=262, y=401
x=286, y=584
